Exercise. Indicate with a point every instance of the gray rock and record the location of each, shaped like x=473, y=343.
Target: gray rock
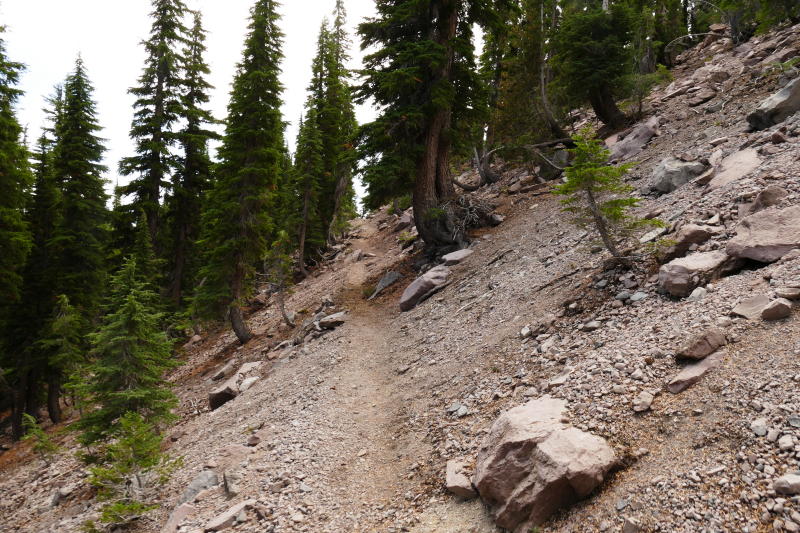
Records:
x=680, y=276
x=602, y=284
x=592, y=326
x=789, y=294
x=462, y=411
x=694, y=372
x=630, y=525
x=389, y=279
x=333, y=321
x=688, y=235
x=231, y=479
x=456, y=257
x=247, y=383
x=457, y=483
x=698, y=294
x=226, y=519
x=638, y=296
x=672, y=173
x=751, y=308
x=780, y=308
x=205, y=480
x=777, y=107
x=767, y=236
x=181, y=513
x=406, y=222
x=785, y=443
x=759, y=426
x=454, y=407
x=422, y=285
x=531, y=464
x=788, y=484
x=624, y=295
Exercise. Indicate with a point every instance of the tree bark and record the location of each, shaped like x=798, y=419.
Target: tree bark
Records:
x=54, y=395
x=550, y=121
x=180, y=262
x=396, y=205
x=302, y=248
x=601, y=224
x=605, y=107
x=239, y=325
x=338, y=194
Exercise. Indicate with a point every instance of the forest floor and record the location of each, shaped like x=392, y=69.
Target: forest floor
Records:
x=351, y=429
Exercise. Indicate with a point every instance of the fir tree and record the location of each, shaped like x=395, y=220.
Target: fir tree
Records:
x=309, y=175
x=596, y=195
x=158, y=104
x=15, y=178
x=42, y=444
x=193, y=176
x=131, y=355
x=81, y=232
x=421, y=77
x=237, y=219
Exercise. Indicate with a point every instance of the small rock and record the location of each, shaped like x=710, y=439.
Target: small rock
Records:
x=702, y=344
x=698, y=294
x=457, y=482
x=642, y=402
x=788, y=484
x=630, y=525
x=759, y=426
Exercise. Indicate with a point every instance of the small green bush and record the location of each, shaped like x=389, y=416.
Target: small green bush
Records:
x=133, y=469
x=406, y=238
x=368, y=292
x=43, y=446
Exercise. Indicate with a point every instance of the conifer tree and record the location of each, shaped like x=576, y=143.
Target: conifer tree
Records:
x=158, y=104
x=15, y=179
x=309, y=175
x=237, y=220
x=130, y=356
x=422, y=79
x=80, y=234
x=193, y=176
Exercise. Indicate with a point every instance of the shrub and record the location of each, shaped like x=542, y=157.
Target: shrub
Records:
x=42, y=444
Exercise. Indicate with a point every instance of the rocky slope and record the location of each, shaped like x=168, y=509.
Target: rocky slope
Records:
x=351, y=429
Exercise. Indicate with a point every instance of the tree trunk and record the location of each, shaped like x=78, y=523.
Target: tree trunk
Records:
x=551, y=123
x=605, y=107
x=396, y=205
x=338, y=194
x=601, y=224
x=180, y=262
x=302, y=248
x=54, y=395
x=239, y=325
x=283, y=306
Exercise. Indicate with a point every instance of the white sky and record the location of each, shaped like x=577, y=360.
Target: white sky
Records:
x=47, y=36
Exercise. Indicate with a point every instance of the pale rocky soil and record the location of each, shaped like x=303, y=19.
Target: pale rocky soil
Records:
x=354, y=425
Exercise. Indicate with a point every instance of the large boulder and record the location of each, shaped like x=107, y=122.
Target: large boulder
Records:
x=767, y=236
x=734, y=167
x=531, y=464
x=681, y=276
x=673, y=173
x=635, y=141
x=777, y=107
x=688, y=235
x=422, y=285
x=333, y=321
x=702, y=344
x=406, y=222
x=224, y=393
x=205, y=480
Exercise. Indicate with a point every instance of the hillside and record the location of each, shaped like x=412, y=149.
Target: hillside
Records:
x=351, y=429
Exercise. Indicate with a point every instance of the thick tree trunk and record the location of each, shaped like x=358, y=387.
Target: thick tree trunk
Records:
x=54, y=395
x=239, y=325
x=550, y=121
x=605, y=107
x=19, y=401
x=601, y=224
x=396, y=205
x=180, y=263
x=338, y=194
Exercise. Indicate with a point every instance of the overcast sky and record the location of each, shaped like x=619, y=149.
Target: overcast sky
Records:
x=47, y=35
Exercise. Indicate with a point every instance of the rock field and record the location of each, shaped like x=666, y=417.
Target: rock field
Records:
x=683, y=377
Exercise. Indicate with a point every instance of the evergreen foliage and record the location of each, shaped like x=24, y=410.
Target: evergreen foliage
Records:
x=130, y=354
x=158, y=107
x=134, y=469
x=278, y=268
x=80, y=235
x=42, y=444
x=192, y=177
x=595, y=194
x=237, y=220
x=15, y=178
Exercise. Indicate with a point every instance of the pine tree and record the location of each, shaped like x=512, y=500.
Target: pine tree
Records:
x=308, y=177
x=158, y=104
x=193, y=176
x=421, y=79
x=130, y=356
x=81, y=232
x=15, y=179
x=237, y=219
